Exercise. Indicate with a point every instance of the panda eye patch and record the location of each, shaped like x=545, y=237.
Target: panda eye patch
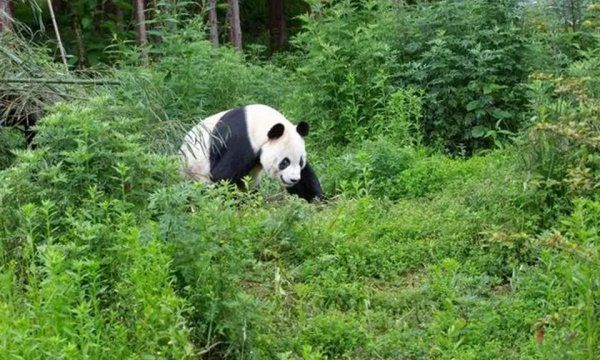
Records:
x=301, y=162
x=284, y=163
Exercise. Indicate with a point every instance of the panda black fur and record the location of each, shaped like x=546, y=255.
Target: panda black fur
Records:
x=246, y=141
x=308, y=187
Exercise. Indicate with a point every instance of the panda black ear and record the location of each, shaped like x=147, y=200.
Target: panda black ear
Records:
x=276, y=131
x=302, y=128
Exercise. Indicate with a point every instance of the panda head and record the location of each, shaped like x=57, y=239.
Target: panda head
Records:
x=283, y=156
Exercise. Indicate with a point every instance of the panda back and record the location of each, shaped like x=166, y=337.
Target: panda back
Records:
x=195, y=149
x=231, y=153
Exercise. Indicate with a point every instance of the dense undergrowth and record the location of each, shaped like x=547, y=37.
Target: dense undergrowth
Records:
x=417, y=253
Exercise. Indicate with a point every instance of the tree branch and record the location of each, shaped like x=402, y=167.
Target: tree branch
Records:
x=61, y=81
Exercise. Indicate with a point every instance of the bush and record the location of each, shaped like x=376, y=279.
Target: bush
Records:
x=561, y=148
x=553, y=44
x=334, y=334
x=82, y=147
x=344, y=78
x=89, y=289
x=565, y=285
x=10, y=140
x=212, y=253
x=80, y=277
x=382, y=169
x=468, y=58
x=368, y=169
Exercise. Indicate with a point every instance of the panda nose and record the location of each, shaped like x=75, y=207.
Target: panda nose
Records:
x=294, y=180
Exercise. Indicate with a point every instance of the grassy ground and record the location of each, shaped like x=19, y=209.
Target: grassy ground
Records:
x=106, y=254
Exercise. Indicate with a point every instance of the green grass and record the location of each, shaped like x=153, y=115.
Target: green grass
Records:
x=448, y=274
x=104, y=256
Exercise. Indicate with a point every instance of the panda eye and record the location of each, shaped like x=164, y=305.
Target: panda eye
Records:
x=301, y=162
x=284, y=163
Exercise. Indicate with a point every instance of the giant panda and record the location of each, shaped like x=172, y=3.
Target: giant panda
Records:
x=250, y=140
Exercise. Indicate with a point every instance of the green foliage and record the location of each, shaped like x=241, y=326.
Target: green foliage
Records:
x=382, y=169
x=80, y=277
x=357, y=58
x=364, y=259
x=10, y=140
x=344, y=77
x=22, y=104
x=561, y=151
x=371, y=169
x=335, y=334
x=65, y=297
x=552, y=44
x=566, y=284
x=212, y=252
x=85, y=146
x=468, y=58
x=205, y=81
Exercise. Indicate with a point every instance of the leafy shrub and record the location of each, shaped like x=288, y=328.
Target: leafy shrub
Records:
x=90, y=289
x=80, y=276
x=204, y=80
x=85, y=146
x=211, y=254
x=369, y=169
x=344, y=77
x=382, y=169
x=561, y=151
x=553, y=44
x=467, y=56
x=577, y=262
x=566, y=285
x=10, y=140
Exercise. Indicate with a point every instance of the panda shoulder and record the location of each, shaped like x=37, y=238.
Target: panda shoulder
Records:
x=264, y=116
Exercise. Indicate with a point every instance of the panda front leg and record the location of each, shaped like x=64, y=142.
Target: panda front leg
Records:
x=250, y=182
x=255, y=175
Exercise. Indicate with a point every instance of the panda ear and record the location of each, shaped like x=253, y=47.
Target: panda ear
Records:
x=302, y=128
x=276, y=131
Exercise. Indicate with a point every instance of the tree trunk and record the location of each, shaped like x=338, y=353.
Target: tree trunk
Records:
x=58, y=6
x=81, y=57
x=214, y=22
x=235, y=29
x=5, y=15
x=574, y=15
x=140, y=22
x=119, y=18
x=63, y=54
x=99, y=15
x=277, y=24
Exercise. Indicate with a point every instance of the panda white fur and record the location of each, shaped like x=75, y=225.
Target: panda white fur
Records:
x=246, y=141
